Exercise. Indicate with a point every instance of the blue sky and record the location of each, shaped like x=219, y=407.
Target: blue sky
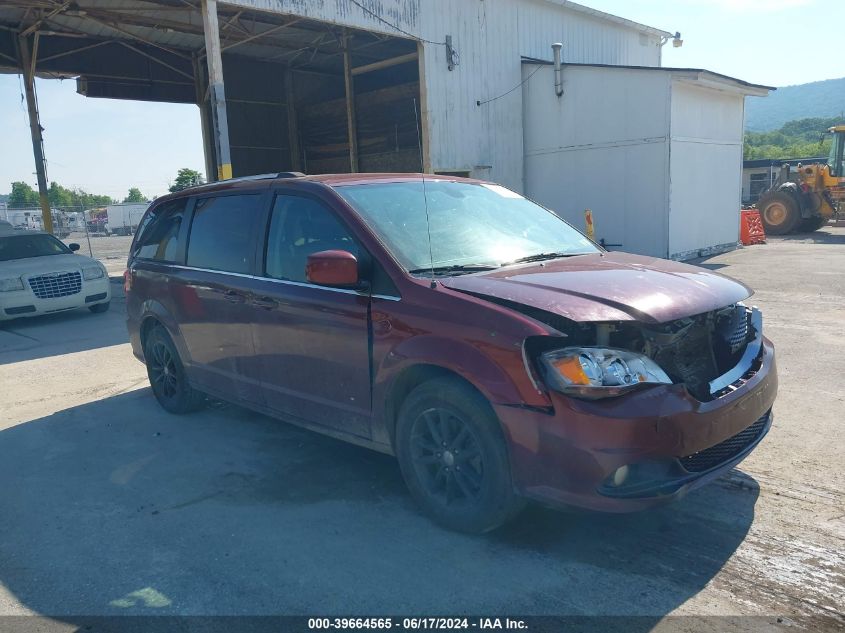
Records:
x=106, y=146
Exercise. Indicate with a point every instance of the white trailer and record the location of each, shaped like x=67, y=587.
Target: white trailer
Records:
x=123, y=218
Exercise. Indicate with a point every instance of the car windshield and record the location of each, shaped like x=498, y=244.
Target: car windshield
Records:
x=470, y=225
x=23, y=246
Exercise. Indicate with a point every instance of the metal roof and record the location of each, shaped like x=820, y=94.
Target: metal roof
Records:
x=698, y=71
x=777, y=162
x=176, y=26
x=608, y=17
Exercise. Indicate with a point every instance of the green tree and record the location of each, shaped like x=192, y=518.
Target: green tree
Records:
x=135, y=195
x=186, y=178
x=59, y=196
x=803, y=138
x=22, y=196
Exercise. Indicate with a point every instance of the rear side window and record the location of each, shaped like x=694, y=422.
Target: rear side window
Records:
x=158, y=235
x=223, y=231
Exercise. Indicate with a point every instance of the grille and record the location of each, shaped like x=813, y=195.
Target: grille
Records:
x=739, y=336
x=55, y=285
x=726, y=450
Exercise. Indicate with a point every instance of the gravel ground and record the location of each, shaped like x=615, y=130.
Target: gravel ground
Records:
x=112, y=506
x=112, y=251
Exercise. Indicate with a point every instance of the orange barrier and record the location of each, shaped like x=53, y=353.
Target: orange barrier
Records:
x=751, y=228
x=588, y=220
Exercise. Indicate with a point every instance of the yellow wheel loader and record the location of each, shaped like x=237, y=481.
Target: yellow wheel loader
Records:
x=806, y=200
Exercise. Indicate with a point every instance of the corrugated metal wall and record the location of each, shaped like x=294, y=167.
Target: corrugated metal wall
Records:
x=490, y=37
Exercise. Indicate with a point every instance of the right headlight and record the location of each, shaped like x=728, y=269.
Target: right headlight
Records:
x=598, y=372
x=11, y=283
x=93, y=272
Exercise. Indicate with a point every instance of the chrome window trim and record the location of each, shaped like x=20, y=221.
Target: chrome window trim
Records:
x=752, y=351
x=287, y=282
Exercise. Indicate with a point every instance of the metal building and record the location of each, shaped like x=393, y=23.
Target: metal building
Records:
x=324, y=85
x=321, y=85
x=654, y=152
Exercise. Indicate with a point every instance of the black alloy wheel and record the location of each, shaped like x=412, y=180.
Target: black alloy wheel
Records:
x=167, y=374
x=453, y=456
x=447, y=457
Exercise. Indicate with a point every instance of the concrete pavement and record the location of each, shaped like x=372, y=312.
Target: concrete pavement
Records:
x=112, y=506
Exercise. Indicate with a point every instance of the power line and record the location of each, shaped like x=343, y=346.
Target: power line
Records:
x=504, y=94
x=393, y=26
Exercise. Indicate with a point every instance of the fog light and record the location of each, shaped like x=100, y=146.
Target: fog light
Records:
x=620, y=475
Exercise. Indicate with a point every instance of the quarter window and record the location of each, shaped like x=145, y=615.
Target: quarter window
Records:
x=158, y=235
x=222, y=233
x=300, y=227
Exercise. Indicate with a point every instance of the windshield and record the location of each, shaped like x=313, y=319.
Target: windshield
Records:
x=836, y=160
x=470, y=224
x=23, y=246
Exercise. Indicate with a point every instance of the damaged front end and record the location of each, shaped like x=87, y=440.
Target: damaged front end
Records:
x=711, y=354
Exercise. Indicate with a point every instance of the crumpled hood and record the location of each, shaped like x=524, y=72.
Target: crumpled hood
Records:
x=29, y=266
x=608, y=287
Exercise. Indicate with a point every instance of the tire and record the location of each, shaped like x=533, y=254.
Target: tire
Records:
x=779, y=212
x=808, y=225
x=447, y=414
x=167, y=375
x=99, y=308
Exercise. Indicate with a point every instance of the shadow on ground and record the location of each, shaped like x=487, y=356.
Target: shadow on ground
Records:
x=117, y=508
x=816, y=237
x=64, y=332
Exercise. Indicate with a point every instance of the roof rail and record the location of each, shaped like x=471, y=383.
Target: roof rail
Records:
x=281, y=174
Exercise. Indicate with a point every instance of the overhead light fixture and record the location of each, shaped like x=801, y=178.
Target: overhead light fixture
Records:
x=677, y=42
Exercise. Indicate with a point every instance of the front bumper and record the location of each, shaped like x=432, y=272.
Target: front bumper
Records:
x=24, y=303
x=569, y=457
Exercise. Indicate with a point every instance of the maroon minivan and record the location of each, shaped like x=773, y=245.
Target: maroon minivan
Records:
x=495, y=350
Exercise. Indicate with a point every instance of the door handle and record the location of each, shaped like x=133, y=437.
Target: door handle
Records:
x=234, y=297
x=267, y=303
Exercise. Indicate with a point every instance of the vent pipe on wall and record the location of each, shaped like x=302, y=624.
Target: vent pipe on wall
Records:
x=558, y=72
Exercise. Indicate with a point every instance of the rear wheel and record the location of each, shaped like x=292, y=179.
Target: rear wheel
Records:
x=779, y=212
x=167, y=375
x=454, y=458
x=809, y=225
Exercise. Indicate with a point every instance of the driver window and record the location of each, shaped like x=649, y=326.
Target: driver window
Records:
x=299, y=227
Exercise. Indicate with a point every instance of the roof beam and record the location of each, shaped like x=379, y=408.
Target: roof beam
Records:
x=157, y=60
x=385, y=63
x=34, y=27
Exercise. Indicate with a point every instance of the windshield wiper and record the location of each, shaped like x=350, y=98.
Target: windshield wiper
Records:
x=454, y=268
x=539, y=257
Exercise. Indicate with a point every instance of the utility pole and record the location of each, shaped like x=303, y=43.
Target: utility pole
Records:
x=28, y=66
x=351, y=119
x=214, y=60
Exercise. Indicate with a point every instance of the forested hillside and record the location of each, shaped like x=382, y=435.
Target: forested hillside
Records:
x=818, y=99
x=803, y=138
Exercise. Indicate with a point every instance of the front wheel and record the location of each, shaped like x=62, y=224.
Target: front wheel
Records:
x=98, y=308
x=167, y=375
x=779, y=212
x=453, y=457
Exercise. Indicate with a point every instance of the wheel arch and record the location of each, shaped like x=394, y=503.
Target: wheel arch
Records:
x=411, y=377
x=154, y=313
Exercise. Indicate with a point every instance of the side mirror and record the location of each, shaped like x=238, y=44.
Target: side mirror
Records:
x=73, y=246
x=332, y=268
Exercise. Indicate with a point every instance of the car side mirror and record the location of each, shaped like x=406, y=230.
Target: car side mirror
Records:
x=332, y=268
x=73, y=246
